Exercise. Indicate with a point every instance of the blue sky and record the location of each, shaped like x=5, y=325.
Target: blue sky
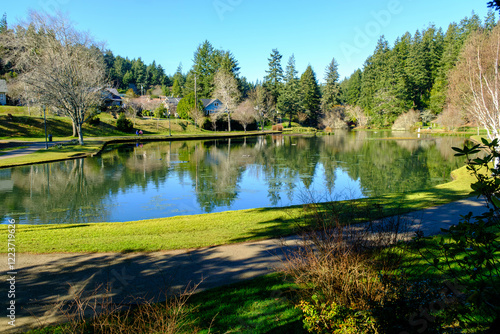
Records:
x=169, y=31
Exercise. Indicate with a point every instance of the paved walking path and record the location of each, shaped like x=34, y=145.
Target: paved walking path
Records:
x=30, y=148
x=43, y=282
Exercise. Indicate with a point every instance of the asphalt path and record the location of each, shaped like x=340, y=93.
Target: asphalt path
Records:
x=44, y=283
x=31, y=147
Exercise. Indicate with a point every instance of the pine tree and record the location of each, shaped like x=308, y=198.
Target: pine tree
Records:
x=353, y=88
x=331, y=90
x=310, y=94
x=273, y=79
x=204, y=68
x=289, y=97
x=490, y=21
x=139, y=72
x=449, y=57
x=3, y=23
x=373, y=77
x=176, y=89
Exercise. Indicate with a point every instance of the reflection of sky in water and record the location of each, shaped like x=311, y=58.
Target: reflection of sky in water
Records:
x=144, y=183
x=174, y=197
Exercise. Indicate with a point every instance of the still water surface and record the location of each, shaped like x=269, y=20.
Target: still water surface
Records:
x=163, y=179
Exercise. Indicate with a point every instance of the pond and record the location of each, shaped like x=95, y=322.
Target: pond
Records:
x=162, y=179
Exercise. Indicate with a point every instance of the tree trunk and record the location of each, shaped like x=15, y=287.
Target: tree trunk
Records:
x=74, y=129
x=80, y=134
x=228, y=122
x=290, y=120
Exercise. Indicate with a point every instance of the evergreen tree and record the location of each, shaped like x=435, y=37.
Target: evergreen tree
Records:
x=417, y=71
x=3, y=23
x=176, y=89
x=310, y=94
x=449, y=57
x=181, y=79
x=204, y=68
x=490, y=21
x=353, y=88
x=128, y=79
x=273, y=79
x=331, y=90
x=289, y=97
x=373, y=78
x=139, y=73
x=226, y=61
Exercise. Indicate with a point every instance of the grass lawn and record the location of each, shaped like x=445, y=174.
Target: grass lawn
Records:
x=261, y=305
x=222, y=228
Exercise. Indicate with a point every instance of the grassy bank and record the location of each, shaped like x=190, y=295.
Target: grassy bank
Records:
x=261, y=305
x=222, y=228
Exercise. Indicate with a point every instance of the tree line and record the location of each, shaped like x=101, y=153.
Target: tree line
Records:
x=413, y=73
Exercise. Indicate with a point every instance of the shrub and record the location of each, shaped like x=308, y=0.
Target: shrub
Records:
x=334, y=318
x=406, y=121
x=205, y=123
x=123, y=124
x=94, y=120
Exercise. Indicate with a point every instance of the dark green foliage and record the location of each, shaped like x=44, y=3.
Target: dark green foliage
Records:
x=289, y=97
x=186, y=105
x=413, y=74
x=123, y=124
x=124, y=72
x=274, y=78
x=176, y=89
x=207, y=61
x=331, y=94
x=309, y=92
x=495, y=4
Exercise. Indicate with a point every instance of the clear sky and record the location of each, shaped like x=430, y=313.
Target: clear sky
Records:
x=169, y=31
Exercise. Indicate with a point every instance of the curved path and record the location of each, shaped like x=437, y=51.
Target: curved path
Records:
x=30, y=148
x=44, y=282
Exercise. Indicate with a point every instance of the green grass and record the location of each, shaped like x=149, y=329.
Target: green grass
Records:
x=260, y=305
x=54, y=154
x=221, y=228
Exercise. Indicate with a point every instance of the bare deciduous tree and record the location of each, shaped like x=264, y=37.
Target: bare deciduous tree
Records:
x=245, y=113
x=263, y=103
x=450, y=118
x=475, y=81
x=406, y=121
x=335, y=118
x=214, y=117
x=227, y=91
x=196, y=114
x=357, y=115
x=63, y=67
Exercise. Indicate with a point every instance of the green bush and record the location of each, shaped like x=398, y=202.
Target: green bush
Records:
x=205, y=123
x=334, y=318
x=94, y=120
x=123, y=124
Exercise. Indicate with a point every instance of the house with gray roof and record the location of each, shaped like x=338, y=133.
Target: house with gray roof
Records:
x=3, y=92
x=112, y=97
x=212, y=106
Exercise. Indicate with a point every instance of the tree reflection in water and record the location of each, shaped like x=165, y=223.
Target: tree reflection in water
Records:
x=159, y=179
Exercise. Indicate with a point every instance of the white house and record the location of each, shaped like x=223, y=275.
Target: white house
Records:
x=3, y=92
